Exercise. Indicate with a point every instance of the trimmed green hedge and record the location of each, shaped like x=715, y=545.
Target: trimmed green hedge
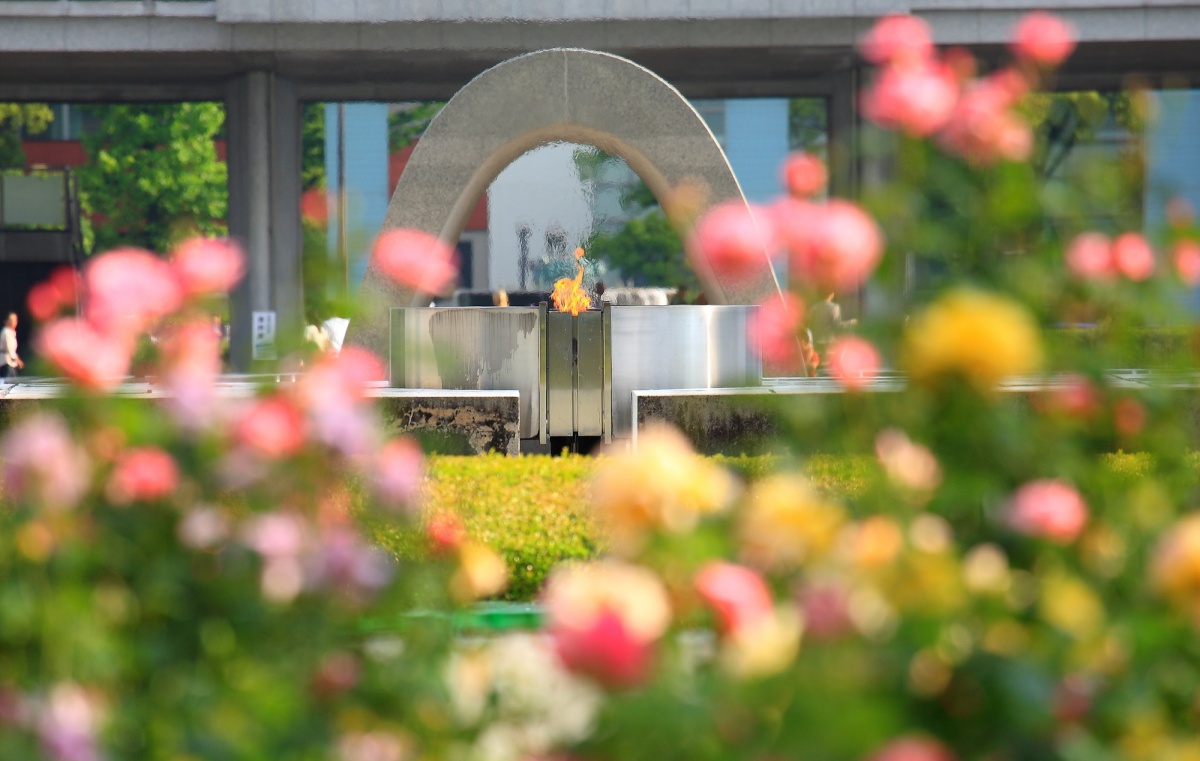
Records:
x=535, y=511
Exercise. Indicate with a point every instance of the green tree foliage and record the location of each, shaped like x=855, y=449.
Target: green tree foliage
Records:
x=407, y=124
x=312, y=146
x=808, y=125
x=153, y=176
x=647, y=251
x=18, y=118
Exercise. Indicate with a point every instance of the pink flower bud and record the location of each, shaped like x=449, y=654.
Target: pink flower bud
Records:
x=732, y=241
x=913, y=748
x=271, y=427
x=737, y=595
x=1187, y=262
x=1049, y=509
x=774, y=330
x=804, y=175
x=128, y=289
x=606, y=651
x=91, y=358
x=917, y=100
x=145, y=474
x=1133, y=257
x=1089, y=256
x=416, y=260
x=853, y=361
x=833, y=246
x=398, y=472
x=208, y=266
x=897, y=40
x=1043, y=39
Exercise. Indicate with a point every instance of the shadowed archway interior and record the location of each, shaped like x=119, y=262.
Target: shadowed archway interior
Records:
x=567, y=95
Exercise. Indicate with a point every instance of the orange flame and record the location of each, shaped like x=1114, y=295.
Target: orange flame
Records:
x=569, y=295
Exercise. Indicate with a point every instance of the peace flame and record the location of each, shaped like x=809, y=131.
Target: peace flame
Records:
x=569, y=295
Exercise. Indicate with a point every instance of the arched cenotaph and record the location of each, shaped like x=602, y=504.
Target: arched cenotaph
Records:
x=561, y=94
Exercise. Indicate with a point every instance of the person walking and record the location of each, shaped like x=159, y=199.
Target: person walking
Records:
x=825, y=321
x=12, y=363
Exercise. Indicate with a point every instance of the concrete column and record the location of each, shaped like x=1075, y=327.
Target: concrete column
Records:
x=262, y=126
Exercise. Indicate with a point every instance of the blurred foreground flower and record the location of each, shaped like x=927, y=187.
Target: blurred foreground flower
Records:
x=416, y=260
x=1050, y=509
x=913, y=749
x=41, y=464
x=1043, y=39
x=786, y=522
x=981, y=337
x=804, y=175
x=774, y=330
x=605, y=619
x=1175, y=565
x=733, y=241
x=208, y=266
x=853, y=361
x=661, y=486
x=145, y=474
x=832, y=246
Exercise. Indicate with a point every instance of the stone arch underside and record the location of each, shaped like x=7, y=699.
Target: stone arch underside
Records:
x=567, y=95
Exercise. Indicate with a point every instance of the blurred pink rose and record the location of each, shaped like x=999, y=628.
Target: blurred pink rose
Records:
x=416, y=260
x=343, y=561
x=202, y=528
x=774, y=330
x=91, y=358
x=343, y=378
x=128, y=289
x=191, y=362
x=826, y=609
x=208, y=266
x=373, y=746
x=1043, y=38
x=1089, y=256
x=272, y=427
x=445, y=533
x=144, y=474
x=276, y=535
x=397, y=474
x=1129, y=416
x=733, y=241
x=41, y=464
x=913, y=748
x=1187, y=262
x=605, y=618
x=1133, y=257
x=804, y=175
x=67, y=723
x=909, y=465
x=917, y=100
x=897, y=40
x=1050, y=509
x=853, y=361
x=984, y=127
x=42, y=301
x=832, y=246
x=737, y=595
x=606, y=651
x=1074, y=395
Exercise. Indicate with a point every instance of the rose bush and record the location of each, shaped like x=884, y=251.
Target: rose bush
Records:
x=198, y=579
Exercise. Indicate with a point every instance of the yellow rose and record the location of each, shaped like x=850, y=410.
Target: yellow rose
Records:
x=980, y=336
x=1175, y=566
x=661, y=486
x=786, y=522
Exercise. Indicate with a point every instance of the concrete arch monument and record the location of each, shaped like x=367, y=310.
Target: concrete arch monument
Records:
x=561, y=94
